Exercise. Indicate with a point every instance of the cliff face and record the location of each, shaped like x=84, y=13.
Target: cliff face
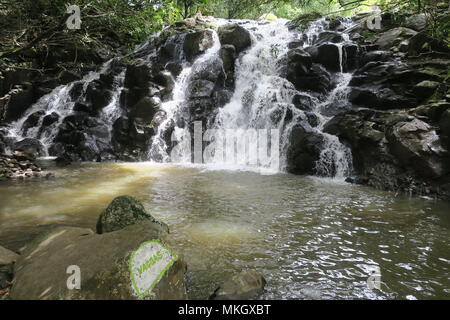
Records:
x=398, y=128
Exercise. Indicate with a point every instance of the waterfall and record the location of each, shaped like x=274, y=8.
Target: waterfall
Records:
x=60, y=102
x=175, y=107
x=260, y=110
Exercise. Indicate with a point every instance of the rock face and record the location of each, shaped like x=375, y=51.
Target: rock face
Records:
x=304, y=150
x=197, y=43
x=246, y=285
x=122, y=212
x=235, y=35
x=396, y=152
x=119, y=265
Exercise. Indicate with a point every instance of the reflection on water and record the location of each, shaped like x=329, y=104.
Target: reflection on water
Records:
x=312, y=238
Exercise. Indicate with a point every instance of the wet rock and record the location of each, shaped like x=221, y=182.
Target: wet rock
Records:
x=304, y=150
x=382, y=98
x=19, y=166
x=30, y=146
x=32, y=120
x=197, y=43
x=330, y=56
x=122, y=212
x=416, y=144
x=329, y=37
x=376, y=56
x=98, y=94
x=104, y=262
x=228, y=55
x=303, y=102
x=235, y=35
x=304, y=74
x=423, y=43
x=393, y=37
x=50, y=119
x=246, y=285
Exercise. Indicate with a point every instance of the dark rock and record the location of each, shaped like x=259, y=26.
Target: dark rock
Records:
x=304, y=150
x=423, y=43
x=329, y=37
x=243, y=286
x=122, y=212
x=197, y=43
x=32, y=120
x=233, y=34
x=200, y=89
x=50, y=119
x=98, y=94
x=30, y=146
x=330, y=56
x=376, y=56
x=146, y=108
x=303, y=102
x=228, y=55
x=416, y=144
x=17, y=101
x=394, y=37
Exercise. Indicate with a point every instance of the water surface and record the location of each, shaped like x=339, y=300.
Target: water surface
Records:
x=312, y=238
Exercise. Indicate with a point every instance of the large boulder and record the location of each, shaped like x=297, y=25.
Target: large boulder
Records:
x=113, y=266
x=417, y=145
x=122, y=212
x=30, y=146
x=233, y=34
x=16, y=102
x=197, y=43
x=242, y=286
x=146, y=108
x=331, y=56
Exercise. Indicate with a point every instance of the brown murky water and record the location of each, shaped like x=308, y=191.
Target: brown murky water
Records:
x=312, y=238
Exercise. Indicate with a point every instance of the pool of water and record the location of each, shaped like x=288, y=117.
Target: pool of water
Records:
x=312, y=238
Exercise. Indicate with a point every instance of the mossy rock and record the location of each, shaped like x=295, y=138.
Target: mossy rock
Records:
x=122, y=212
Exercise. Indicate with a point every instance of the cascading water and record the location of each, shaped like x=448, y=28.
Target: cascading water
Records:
x=263, y=99
x=60, y=103
x=175, y=107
